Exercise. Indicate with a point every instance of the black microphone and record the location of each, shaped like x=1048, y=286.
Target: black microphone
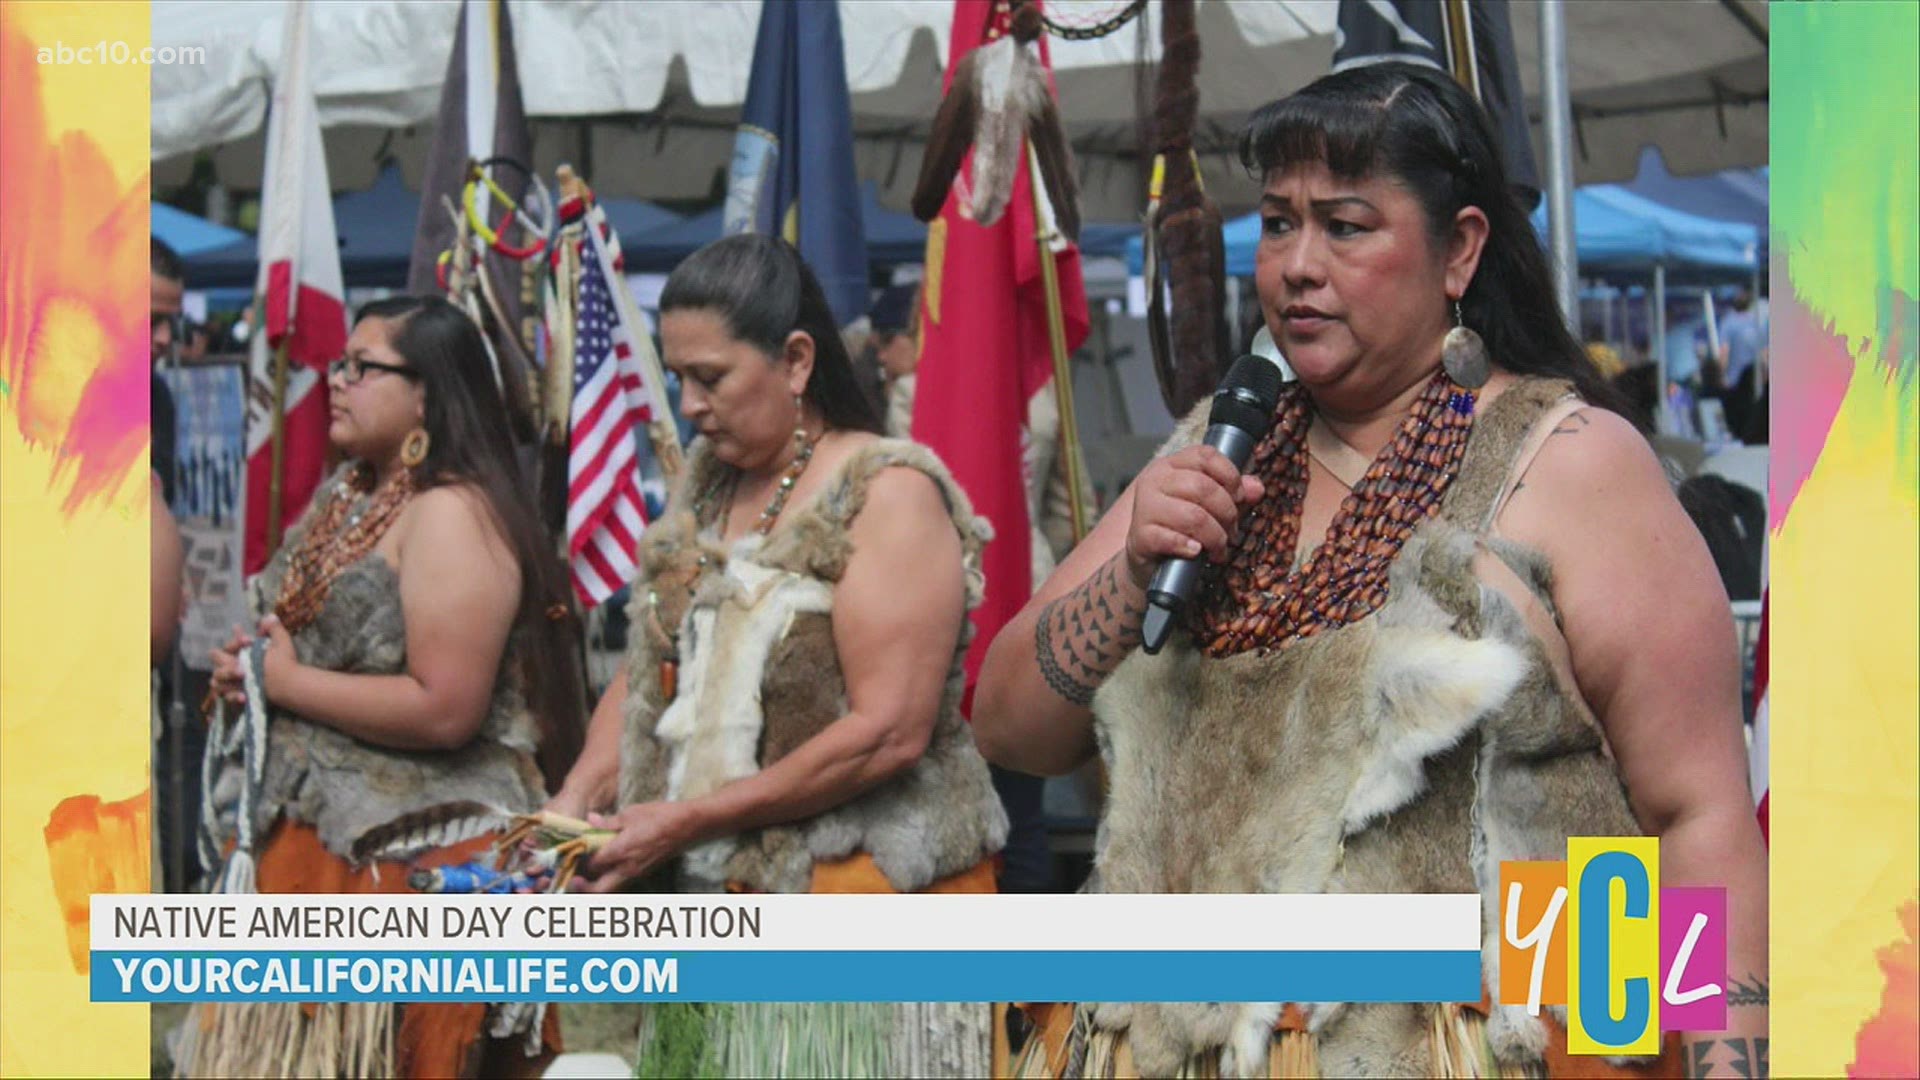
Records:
x=1242, y=412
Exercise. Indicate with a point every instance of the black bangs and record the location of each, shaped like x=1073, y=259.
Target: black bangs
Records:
x=1342, y=132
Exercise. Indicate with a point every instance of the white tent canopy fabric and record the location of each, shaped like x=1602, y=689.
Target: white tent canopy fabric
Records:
x=644, y=95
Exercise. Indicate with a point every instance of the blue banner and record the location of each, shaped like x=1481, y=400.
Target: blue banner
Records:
x=792, y=174
x=928, y=975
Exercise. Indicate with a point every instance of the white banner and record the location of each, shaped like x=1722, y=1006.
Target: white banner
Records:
x=1039, y=923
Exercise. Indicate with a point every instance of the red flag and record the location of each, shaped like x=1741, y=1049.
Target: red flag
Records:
x=984, y=352
x=300, y=293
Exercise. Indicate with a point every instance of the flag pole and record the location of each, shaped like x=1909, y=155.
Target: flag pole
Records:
x=1460, y=50
x=278, y=461
x=1045, y=233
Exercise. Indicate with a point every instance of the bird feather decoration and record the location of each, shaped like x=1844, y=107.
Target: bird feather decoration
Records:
x=436, y=826
x=999, y=101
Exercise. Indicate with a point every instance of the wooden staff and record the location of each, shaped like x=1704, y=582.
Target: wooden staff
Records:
x=278, y=461
x=1460, y=52
x=1045, y=233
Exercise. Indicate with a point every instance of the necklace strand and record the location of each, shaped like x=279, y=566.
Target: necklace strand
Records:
x=1255, y=602
x=354, y=520
x=782, y=491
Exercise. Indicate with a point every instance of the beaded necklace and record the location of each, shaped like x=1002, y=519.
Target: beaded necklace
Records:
x=781, y=491
x=1255, y=602
x=702, y=508
x=353, y=521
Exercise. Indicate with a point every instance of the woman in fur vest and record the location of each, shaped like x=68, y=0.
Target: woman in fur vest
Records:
x=1455, y=615
x=788, y=716
x=410, y=665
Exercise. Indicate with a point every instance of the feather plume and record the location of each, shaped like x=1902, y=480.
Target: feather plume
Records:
x=424, y=830
x=999, y=100
x=1005, y=90
x=1055, y=156
x=948, y=140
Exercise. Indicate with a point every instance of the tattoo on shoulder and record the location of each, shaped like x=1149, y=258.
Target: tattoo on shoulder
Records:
x=1744, y=1058
x=1083, y=636
x=1573, y=425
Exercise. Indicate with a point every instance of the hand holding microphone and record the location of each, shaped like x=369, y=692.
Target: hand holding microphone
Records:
x=1188, y=504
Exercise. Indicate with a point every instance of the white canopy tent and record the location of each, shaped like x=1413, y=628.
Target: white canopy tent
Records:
x=643, y=96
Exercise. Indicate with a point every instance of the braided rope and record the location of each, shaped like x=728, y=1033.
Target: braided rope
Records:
x=244, y=735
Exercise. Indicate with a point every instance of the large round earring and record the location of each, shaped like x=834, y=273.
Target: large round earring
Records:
x=1464, y=355
x=414, y=450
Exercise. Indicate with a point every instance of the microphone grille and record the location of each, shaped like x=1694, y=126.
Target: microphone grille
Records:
x=1255, y=375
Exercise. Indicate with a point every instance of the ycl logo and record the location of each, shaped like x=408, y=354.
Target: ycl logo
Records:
x=1624, y=944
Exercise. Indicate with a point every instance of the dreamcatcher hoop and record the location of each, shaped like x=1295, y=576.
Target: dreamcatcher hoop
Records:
x=536, y=217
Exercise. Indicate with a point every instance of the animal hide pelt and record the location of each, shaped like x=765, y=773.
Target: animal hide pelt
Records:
x=1412, y=751
x=759, y=675
x=424, y=830
x=998, y=101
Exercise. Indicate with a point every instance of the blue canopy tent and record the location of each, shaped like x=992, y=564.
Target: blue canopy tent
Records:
x=1733, y=195
x=893, y=238
x=376, y=229
x=1616, y=232
x=189, y=235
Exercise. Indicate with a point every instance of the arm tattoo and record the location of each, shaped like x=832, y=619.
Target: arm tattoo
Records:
x=1083, y=636
x=1741, y=1057
x=1739, y=993
x=1744, y=1058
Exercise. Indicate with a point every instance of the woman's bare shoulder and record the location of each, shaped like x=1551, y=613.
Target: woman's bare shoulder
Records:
x=454, y=521
x=1593, y=466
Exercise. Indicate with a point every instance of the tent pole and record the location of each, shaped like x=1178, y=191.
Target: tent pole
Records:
x=1658, y=346
x=1558, y=108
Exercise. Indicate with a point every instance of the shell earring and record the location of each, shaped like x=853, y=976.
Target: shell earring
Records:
x=1464, y=355
x=414, y=450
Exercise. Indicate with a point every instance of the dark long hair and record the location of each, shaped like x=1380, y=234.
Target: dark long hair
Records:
x=763, y=291
x=469, y=442
x=1417, y=125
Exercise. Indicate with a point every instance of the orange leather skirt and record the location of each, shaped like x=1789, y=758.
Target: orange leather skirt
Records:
x=435, y=1039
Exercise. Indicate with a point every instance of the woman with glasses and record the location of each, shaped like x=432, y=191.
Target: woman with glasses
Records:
x=413, y=657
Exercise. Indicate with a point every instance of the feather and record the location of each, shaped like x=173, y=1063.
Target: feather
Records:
x=423, y=830
x=1055, y=156
x=947, y=141
x=1006, y=87
x=999, y=98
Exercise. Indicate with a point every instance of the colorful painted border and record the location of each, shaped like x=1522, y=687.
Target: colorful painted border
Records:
x=1845, y=808
x=73, y=500
x=74, y=389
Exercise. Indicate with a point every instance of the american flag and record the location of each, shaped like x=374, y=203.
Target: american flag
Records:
x=605, y=511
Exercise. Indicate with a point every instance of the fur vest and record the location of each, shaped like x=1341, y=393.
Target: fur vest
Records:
x=1410, y=752
x=759, y=675
x=341, y=786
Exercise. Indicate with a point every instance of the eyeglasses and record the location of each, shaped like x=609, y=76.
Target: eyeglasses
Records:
x=351, y=369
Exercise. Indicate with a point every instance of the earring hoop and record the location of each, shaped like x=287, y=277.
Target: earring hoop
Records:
x=414, y=449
